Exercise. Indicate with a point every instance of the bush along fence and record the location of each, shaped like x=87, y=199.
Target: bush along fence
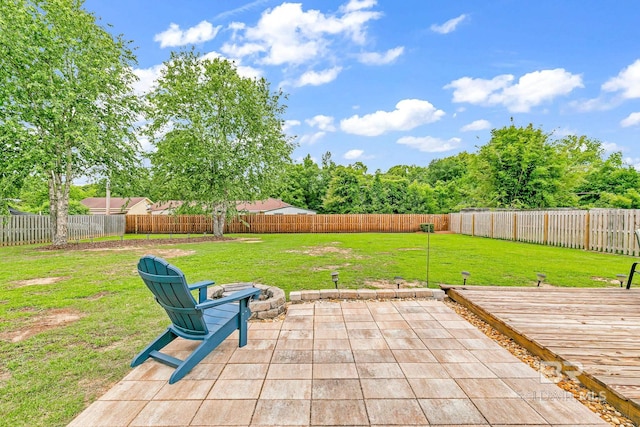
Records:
x=29, y=229
x=600, y=230
x=353, y=223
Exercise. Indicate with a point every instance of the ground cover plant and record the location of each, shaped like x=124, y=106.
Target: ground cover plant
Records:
x=71, y=321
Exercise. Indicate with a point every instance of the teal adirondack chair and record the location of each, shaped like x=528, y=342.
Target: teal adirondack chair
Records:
x=209, y=321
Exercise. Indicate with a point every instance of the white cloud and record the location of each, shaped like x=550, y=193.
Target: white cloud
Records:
x=532, y=89
x=353, y=154
x=174, y=36
x=290, y=124
x=322, y=122
x=632, y=119
x=287, y=34
x=476, y=125
x=148, y=78
x=627, y=82
x=429, y=144
x=317, y=78
x=375, y=58
x=448, y=26
x=635, y=162
x=610, y=147
x=311, y=139
x=409, y=114
x=239, y=51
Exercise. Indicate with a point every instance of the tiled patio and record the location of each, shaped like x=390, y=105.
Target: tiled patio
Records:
x=351, y=363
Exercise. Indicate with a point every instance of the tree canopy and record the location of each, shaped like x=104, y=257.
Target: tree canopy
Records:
x=218, y=135
x=66, y=102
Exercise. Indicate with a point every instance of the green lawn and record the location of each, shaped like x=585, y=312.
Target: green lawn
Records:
x=49, y=377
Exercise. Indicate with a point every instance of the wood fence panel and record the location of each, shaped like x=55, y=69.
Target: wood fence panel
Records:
x=353, y=223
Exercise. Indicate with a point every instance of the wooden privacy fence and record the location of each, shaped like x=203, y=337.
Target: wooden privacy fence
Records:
x=29, y=229
x=352, y=223
x=601, y=230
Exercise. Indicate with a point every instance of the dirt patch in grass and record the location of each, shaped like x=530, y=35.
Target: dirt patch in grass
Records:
x=383, y=284
x=323, y=250
x=48, y=320
x=129, y=243
x=38, y=281
x=330, y=267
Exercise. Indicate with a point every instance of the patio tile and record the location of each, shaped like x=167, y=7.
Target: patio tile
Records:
x=334, y=370
x=224, y=413
x=365, y=316
x=453, y=356
x=365, y=334
x=301, y=323
x=376, y=355
x=495, y=356
x=468, y=334
x=394, y=324
x=206, y=371
x=331, y=344
x=264, y=325
x=468, y=370
x=436, y=388
x=286, y=389
x=379, y=370
x=292, y=356
x=398, y=333
x=108, y=413
x=387, y=388
x=167, y=412
x=361, y=325
x=536, y=388
x=263, y=334
x=251, y=356
x=338, y=412
x=133, y=390
x=417, y=315
x=395, y=411
x=387, y=317
x=413, y=356
x=513, y=370
x=563, y=411
x=296, y=334
x=332, y=356
x=507, y=411
x=331, y=334
x=236, y=389
x=452, y=411
x=219, y=356
x=336, y=389
x=287, y=344
x=479, y=344
x=243, y=370
x=423, y=370
x=456, y=324
x=260, y=344
x=282, y=413
x=288, y=371
x=442, y=344
x=426, y=324
x=329, y=318
x=185, y=390
x=368, y=344
x=486, y=388
x=150, y=371
x=405, y=343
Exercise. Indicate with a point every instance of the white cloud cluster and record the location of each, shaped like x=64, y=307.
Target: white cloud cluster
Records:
x=532, y=89
x=322, y=122
x=312, y=138
x=353, y=154
x=429, y=144
x=317, y=78
x=376, y=58
x=448, y=26
x=409, y=114
x=632, y=119
x=476, y=125
x=174, y=36
x=627, y=82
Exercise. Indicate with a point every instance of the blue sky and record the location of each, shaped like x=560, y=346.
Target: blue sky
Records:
x=393, y=82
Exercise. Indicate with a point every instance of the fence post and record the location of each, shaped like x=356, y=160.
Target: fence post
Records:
x=515, y=226
x=473, y=224
x=587, y=230
x=545, y=232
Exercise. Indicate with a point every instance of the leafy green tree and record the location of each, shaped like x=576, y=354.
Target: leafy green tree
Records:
x=66, y=99
x=219, y=136
x=518, y=168
x=348, y=191
x=305, y=185
x=610, y=183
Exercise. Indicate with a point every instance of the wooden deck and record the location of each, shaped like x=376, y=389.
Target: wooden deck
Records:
x=595, y=330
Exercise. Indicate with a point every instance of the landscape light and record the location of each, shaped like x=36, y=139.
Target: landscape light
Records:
x=541, y=277
x=334, y=278
x=398, y=280
x=465, y=276
x=621, y=278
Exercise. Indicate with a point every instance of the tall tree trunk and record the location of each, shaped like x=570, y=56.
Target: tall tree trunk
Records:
x=59, y=208
x=219, y=216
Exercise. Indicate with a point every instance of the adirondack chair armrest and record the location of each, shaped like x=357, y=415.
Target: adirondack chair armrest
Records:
x=236, y=296
x=202, y=286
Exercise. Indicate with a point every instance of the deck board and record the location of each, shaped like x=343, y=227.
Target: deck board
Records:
x=596, y=329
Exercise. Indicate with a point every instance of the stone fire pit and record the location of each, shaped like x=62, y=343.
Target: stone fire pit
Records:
x=270, y=304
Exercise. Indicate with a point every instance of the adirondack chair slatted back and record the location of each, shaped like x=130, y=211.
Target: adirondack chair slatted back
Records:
x=169, y=286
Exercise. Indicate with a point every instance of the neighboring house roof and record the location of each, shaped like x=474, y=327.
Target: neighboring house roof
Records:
x=117, y=205
x=261, y=205
x=166, y=207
